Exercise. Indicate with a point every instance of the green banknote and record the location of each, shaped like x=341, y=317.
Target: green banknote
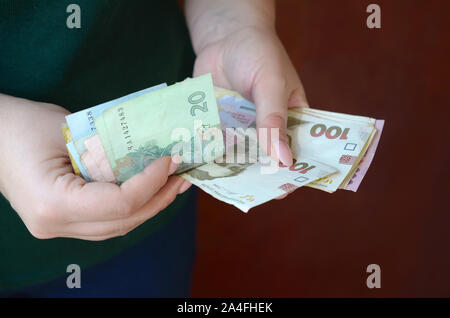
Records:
x=140, y=130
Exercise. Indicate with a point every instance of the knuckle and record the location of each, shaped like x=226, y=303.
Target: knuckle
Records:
x=38, y=217
x=124, y=209
x=124, y=228
x=45, y=212
x=38, y=231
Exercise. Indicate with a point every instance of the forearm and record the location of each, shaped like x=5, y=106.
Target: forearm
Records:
x=212, y=20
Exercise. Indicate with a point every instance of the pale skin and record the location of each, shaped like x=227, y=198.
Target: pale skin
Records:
x=235, y=40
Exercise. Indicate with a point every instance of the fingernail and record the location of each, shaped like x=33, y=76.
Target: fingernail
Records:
x=173, y=166
x=304, y=104
x=284, y=154
x=281, y=197
x=186, y=185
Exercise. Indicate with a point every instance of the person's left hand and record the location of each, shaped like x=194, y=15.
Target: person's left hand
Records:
x=253, y=62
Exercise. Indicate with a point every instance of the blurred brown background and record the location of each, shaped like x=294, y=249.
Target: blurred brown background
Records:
x=313, y=244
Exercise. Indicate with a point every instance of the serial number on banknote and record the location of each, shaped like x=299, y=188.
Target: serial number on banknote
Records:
x=125, y=131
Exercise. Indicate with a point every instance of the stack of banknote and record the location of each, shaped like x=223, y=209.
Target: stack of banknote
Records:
x=113, y=141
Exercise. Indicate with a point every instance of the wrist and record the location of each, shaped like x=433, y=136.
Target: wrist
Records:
x=212, y=21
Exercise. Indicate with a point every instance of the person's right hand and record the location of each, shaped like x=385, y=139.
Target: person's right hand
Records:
x=37, y=178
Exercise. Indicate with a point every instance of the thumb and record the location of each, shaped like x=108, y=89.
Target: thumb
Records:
x=141, y=187
x=99, y=201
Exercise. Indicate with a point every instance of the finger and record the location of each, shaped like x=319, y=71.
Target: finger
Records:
x=206, y=62
x=141, y=187
x=282, y=196
x=297, y=98
x=97, y=201
x=270, y=94
x=84, y=237
x=184, y=187
x=297, y=95
x=108, y=229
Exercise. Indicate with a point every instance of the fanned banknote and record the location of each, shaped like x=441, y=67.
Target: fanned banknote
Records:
x=140, y=130
x=80, y=124
x=246, y=185
x=347, y=142
x=360, y=171
x=340, y=144
x=114, y=141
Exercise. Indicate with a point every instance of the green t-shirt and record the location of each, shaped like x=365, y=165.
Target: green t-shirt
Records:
x=121, y=47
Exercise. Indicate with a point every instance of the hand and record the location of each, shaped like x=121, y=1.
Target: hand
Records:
x=37, y=178
x=253, y=62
